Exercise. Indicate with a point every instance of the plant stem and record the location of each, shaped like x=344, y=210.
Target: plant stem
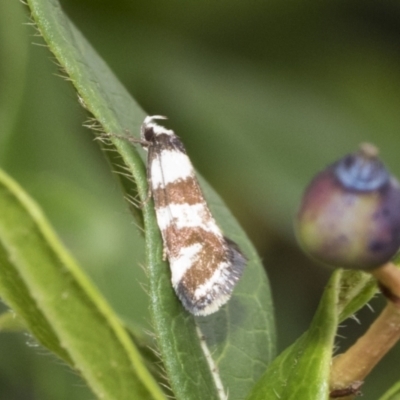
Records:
x=358, y=361
x=388, y=277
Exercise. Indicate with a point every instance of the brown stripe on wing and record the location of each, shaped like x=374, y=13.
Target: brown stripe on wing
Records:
x=182, y=191
x=212, y=253
x=231, y=264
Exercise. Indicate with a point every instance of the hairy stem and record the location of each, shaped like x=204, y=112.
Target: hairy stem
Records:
x=358, y=361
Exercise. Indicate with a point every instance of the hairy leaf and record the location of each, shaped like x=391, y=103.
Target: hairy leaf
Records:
x=66, y=313
x=240, y=337
x=302, y=371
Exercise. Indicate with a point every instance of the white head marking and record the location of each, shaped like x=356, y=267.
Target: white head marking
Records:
x=149, y=123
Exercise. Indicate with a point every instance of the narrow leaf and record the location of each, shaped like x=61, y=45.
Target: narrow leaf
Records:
x=241, y=336
x=357, y=288
x=42, y=283
x=302, y=371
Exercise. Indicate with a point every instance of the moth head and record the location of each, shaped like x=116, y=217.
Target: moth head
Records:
x=150, y=128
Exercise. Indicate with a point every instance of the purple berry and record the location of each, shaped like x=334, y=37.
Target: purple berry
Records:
x=350, y=213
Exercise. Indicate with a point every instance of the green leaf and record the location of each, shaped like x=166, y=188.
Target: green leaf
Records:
x=302, y=371
x=393, y=393
x=240, y=337
x=66, y=313
x=357, y=288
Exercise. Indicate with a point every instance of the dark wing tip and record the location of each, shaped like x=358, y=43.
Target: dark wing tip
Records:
x=221, y=290
x=236, y=257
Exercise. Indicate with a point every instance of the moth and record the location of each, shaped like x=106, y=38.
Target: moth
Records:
x=205, y=265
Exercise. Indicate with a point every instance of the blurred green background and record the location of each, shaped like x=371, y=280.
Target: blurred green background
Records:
x=263, y=93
